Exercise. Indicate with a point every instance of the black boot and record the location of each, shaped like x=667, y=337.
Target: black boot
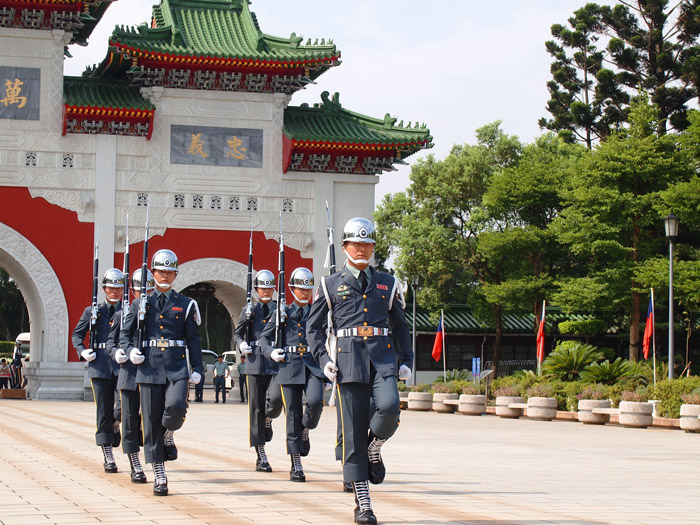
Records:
x=170, y=448
x=305, y=443
x=117, y=435
x=262, y=465
x=137, y=473
x=110, y=465
x=377, y=472
x=160, y=483
x=297, y=472
x=363, y=510
x=268, y=429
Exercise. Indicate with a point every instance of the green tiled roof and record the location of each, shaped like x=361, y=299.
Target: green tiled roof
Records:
x=328, y=122
x=220, y=29
x=459, y=320
x=95, y=92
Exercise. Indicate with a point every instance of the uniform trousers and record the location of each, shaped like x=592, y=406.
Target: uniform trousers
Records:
x=257, y=400
x=131, y=421
x=358, y=417
x=273, y=403
x=220, y=386
x=163, y=407
x=299, y=416
x=103, y=392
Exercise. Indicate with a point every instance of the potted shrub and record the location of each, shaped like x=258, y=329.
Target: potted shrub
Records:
x=403, y=395
x=505, y=396
x=472, y=401
x=444, y=392
x=420, y=397
x=635, y=409
x=593, y=396
x=690, y=411
x=540, y=403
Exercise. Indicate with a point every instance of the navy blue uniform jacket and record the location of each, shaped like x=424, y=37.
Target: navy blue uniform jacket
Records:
x=176, y=322
x=256, y=363
x=292, y=371
x=127, y=371
x=103, y=366
x=379, y=306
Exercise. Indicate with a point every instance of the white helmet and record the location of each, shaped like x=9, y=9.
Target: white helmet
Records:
x=302, y=278
x=164, y=260
x=264, y=279
x=358, y=229
x=136, y=281
x=113, y=278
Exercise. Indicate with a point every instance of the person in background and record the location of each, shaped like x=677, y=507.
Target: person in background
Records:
x=221, y=372
x=4, y=374
x=242, y=380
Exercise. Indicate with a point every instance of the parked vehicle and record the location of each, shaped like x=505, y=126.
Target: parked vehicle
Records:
x=23, y=340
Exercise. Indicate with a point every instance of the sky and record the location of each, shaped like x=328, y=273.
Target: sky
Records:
x=454, y=65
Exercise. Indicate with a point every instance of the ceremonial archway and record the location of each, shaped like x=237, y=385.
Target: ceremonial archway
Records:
x=226, y=276
x=48, y=369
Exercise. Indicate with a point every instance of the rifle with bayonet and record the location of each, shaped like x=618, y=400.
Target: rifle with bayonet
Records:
x=281, y=311
x=125, y=297
x=331, y=339
x=95, y=288
x=249, y=291
x=141, y=326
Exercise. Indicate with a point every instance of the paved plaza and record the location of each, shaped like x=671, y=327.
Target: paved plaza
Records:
x=442, y=469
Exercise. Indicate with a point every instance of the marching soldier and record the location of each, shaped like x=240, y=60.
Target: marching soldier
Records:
x=170, y=331
x=126, y=384
x=366, y=312
x=264, y=395
x=102, y=370
x=299, y=374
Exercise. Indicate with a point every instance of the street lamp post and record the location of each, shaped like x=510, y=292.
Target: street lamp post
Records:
x=415, y=285
x=671, y=228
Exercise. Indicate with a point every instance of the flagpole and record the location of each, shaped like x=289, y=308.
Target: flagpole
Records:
x=444, y=357
x=537, y=350
x=653, y=332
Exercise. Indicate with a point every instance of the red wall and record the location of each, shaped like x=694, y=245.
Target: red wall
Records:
x=67, y=245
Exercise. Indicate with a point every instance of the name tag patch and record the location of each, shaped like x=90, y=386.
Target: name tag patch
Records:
x=382, y=287
x=177, y=309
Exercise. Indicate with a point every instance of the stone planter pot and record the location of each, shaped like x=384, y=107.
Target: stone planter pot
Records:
x=420, y=400
x=472, y=404
x=542, y=408
x=440, y=406
x=502, y=409
x=585, y=411
x=403, y=400
x=689, y=418
x=636, y=414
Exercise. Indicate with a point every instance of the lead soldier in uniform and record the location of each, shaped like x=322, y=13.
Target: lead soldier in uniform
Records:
x=366, y=308
x=264, y=396
x=126, y=384
x=171, y=332
x=102, y=370
x=299, y=374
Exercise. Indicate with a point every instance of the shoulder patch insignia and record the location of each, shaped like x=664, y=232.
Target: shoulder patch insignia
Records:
x=382, y=287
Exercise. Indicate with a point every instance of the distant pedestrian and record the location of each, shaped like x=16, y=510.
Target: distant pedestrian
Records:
x=242, y=387
x=4, y=374
x=221, y=372
x=199, y=388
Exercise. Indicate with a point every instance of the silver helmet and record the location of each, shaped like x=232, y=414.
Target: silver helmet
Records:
x=264, y=279
x=302, y=278
x=164, y=260
x=113, y=278
x=358, y=229
x=136, y=281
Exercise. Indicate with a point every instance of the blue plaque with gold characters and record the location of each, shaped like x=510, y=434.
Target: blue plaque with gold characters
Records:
x=20, y=93
x=210, y=146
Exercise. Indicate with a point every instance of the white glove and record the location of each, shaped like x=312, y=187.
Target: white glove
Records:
x=327, y=386
x=136, y=357
x=245, y=348
x=277, y=355
x=330, y=370
x=404, y=373
x=195, y=378
x=88, y=355
x=120, y=356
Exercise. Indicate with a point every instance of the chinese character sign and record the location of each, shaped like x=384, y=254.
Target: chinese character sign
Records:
x=20, y=93
x=210, y=146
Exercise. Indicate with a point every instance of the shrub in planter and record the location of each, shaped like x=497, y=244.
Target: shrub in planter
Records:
x=606, y=372
x=507, y=391
x=670, y=394
x=445, y=388
x=540, y=390
x=473, y=389
x=420, y=387
x=641, y=395
x=569, y=358
x=690, y=411
x=594, y=391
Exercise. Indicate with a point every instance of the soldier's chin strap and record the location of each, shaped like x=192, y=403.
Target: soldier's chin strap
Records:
x=165, y=285
x=303, y=302
x=356, y=261
x=264, y=300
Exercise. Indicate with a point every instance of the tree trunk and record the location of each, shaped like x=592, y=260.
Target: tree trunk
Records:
x=634, y=327
x=498, y=316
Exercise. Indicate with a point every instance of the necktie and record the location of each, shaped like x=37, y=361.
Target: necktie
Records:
x=300, y=314
x=161, y=302
x=266, y=311
x=363, y=280
x=111, y=311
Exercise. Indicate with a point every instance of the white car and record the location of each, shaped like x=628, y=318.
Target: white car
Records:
x=209, y=357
